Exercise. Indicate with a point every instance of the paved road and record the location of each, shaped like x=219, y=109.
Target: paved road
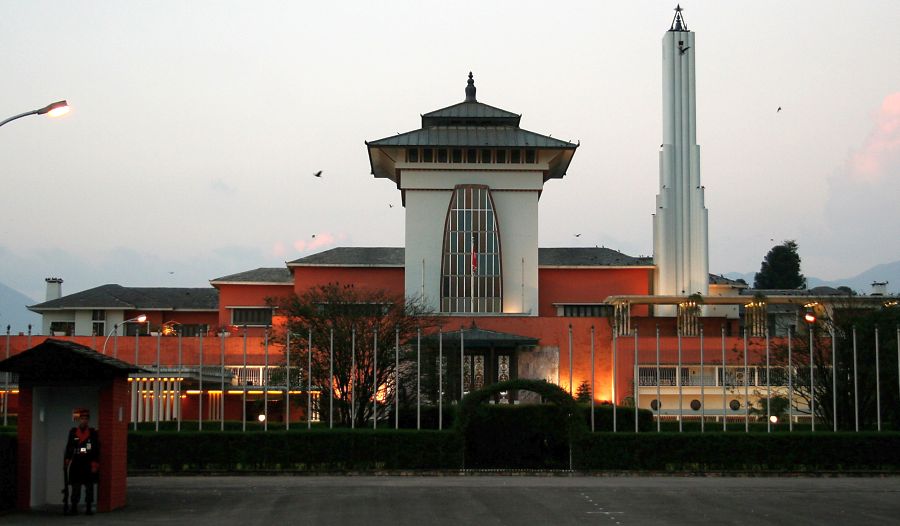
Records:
x=514, y=500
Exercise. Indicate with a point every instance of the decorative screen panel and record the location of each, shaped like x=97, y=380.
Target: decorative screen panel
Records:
x=471, y=277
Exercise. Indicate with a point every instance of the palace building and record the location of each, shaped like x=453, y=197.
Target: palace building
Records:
x=471, y=179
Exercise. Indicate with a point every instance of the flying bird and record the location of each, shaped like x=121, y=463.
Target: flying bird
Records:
x=683, y=49
x=314, y=236
x=390, y=205
x=778, y=110
x=577, y=235
x=318, y=174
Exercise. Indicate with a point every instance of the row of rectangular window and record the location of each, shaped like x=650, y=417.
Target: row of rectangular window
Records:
x=471, y=155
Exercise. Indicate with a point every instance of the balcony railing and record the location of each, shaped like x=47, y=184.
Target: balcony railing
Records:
x=713, y=376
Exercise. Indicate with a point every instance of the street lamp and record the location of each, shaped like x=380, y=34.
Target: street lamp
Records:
x=140, y=319
x=53, y=110
x=810, y=318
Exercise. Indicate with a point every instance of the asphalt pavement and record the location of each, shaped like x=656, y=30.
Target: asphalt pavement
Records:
x=495, y=499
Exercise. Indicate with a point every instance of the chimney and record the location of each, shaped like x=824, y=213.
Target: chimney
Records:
x=54, y=288
x=879, y=288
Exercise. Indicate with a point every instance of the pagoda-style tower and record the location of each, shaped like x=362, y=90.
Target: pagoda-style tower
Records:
x=470, y=180
x=680, y=235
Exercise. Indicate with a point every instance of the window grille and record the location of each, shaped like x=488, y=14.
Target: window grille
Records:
x=755, y=318
x=471, y=277
x=600, y=310
x=689, y=318
x=622, y=319
x=253, y=317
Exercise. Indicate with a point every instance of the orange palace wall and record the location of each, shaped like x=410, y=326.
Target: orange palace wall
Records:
x=556, y=286
x=590, y=285
x=247, y=296
x=389, y=279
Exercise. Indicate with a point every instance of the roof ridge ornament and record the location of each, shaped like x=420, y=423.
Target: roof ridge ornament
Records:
x=470, y=89
x=678, y=23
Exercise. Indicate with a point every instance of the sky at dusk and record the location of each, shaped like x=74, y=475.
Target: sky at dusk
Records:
x=196, y=127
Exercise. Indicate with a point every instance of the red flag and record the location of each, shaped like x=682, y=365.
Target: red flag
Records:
x=474, y=253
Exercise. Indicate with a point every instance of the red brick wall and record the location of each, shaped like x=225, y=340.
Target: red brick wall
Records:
x=23, y=500
x=113, y=444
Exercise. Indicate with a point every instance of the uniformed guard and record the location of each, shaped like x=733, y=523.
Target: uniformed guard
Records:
x=82, y=462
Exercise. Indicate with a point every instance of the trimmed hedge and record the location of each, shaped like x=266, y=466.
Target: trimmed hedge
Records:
x=509, y=446
x=603, y=418
x=429, y=417
x=297, y=451
x=8, y=452
x=517, y=437
x=695, y=452
x=530, y=436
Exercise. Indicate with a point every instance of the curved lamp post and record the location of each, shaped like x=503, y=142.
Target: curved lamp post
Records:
x=140, y=319
x=54, y=110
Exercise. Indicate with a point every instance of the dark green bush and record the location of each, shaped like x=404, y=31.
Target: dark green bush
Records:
x=301, y=450
x=8, y=452
x=429, y=417
x=603, y=418
x=517, y=436
x=793, y=452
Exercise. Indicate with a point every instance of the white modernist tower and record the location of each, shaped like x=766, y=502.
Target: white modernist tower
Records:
x=680, y=240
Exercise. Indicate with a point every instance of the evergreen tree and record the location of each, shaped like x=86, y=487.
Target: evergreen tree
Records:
x=583, y=393
x=780, y=269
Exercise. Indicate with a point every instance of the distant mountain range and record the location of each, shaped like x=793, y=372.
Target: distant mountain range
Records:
x=861, y=283
x=14, y=313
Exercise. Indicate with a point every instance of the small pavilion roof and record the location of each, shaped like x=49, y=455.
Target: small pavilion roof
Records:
x=473, y=136
x=469, y=124
x=55, y=359
x=470, y=112
x=475, y=337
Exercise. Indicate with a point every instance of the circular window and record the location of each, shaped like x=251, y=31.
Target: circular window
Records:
x=655, y=405
x=734, y=405
x=695, y=405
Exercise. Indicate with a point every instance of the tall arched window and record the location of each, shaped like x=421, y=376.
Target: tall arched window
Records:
x=471, y=278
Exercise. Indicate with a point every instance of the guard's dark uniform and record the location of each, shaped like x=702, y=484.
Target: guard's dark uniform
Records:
x=83, y=456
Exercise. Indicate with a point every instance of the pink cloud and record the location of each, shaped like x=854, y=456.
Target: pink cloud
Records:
x=879, y=156
x=319, y=240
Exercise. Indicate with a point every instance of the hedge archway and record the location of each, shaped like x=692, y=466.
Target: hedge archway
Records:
x=569, y=417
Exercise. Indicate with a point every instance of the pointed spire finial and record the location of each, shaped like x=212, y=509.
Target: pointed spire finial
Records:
x=678, y=23
x=470, y=89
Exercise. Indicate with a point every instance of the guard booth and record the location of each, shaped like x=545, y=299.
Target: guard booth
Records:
x=55, y=377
